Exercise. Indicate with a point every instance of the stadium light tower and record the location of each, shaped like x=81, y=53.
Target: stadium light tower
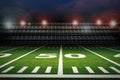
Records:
x=75, y=22
x=44, y=23
x=113, y=23
x=23, y=23
x=99, y=22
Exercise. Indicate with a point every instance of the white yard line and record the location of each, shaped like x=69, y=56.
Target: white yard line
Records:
x=103, y=69
x=35, y=70
x=8, y=69
x=101, y=56
x=60, y=71
x=89, y=69
x=75, y=70
x=60, y=65
x=18, y=58
x=115, y=69
x=8, y=50
x=22, y=69
x=57, y=76
x=48, y=70
x=112, y=49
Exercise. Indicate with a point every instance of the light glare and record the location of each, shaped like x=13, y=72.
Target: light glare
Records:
x=98, y=22
x=113, y=23
x=75, y=22
x=8, y=24
x=44, y=22
x=22, y=23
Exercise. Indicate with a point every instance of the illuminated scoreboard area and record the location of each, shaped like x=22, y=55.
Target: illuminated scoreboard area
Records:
x=60, y=33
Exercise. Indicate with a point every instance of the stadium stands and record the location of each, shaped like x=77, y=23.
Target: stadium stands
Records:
x=60, y=33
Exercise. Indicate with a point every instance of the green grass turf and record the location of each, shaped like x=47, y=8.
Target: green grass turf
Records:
x=15, y=53
x=4, y=48
x=107, y=53
x=91, y=60
x=32, y=62
x=116, y=47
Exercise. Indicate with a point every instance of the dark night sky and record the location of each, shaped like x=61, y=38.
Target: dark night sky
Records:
x=62, y=7
x=68, y=6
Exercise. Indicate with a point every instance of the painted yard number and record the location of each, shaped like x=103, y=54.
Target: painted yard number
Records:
x=46, y=55
x=3, y=55
x=117, y=56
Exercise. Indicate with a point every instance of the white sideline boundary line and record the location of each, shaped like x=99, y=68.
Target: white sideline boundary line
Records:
x=18, y=58
x=112, y=49
x=57, y=76
x=60, y=66
x=101, y=56
x=8, y=50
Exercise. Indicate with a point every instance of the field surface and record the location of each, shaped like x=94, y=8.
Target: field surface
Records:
x=60, y=62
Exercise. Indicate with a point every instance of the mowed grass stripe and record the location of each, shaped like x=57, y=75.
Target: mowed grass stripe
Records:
x=5, y=64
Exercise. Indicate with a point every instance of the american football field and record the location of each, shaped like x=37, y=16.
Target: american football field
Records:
x=60, y=62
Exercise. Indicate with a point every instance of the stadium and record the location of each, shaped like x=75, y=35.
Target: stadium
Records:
x=35, y=47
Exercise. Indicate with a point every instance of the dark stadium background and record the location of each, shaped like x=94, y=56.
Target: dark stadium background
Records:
x=90, y=28
x=60, y=11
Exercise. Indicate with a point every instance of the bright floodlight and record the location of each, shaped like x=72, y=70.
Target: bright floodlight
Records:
x=75, y=22
x=22, y=23
x=98, y=22
x=113, y=23
x=44, y=23
x=8, y=24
